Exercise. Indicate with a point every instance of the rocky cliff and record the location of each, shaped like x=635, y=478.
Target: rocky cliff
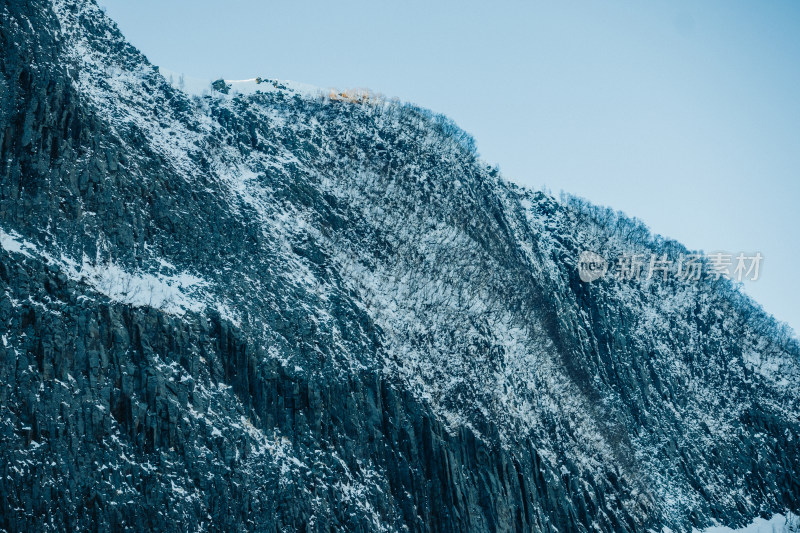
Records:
x=280, y=311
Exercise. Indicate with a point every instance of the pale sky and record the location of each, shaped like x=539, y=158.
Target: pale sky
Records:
x=685, y=115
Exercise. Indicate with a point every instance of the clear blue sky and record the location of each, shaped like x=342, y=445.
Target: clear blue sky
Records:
x=683, y=114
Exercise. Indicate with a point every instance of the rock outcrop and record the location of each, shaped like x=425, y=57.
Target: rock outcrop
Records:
x=277, y=311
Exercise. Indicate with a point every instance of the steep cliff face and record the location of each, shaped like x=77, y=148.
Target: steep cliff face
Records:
x=277, y=311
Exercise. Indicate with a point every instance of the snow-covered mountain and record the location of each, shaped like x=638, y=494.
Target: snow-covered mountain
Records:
x=270, y=309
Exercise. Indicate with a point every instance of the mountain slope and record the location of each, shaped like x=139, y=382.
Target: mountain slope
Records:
x=278, y=311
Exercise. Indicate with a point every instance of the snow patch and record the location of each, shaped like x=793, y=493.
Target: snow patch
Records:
x=176, y=294
x=777, y=524
x=12, y=242
x=172, y=294
x=259, y=85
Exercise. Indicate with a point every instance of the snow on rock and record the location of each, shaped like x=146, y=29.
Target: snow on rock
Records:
x=175, y=294
x=777, y=524
x=334, y=316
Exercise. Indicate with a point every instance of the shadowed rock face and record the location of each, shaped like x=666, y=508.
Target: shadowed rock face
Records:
x=274, y=311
